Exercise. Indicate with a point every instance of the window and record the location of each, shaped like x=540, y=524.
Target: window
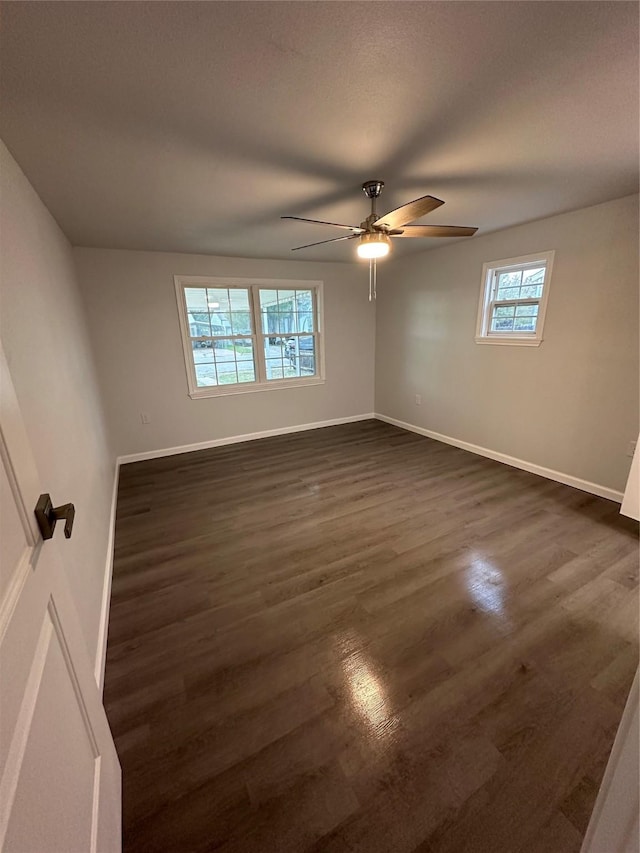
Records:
x=513, y=300
x=249, y=334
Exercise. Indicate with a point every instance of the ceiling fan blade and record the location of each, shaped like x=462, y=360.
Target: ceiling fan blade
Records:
x=354, y=228
x=408, y=212
x=437, y=231
x=333, y=240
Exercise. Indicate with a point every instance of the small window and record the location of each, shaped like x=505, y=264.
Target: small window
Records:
x=513, y=300
x=240, y=335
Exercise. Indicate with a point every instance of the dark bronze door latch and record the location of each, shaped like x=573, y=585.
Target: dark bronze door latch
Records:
x=47, y=516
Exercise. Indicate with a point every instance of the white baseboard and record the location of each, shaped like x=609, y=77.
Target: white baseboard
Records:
x=236, y=439
x=549, y=473
x=101, y=652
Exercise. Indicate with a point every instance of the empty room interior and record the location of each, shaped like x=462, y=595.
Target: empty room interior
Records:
x=314, y=537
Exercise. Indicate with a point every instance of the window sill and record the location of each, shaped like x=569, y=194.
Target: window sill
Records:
x=514, y=342
x=253, y=387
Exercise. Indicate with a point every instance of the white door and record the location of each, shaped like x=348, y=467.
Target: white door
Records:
x=59, y=772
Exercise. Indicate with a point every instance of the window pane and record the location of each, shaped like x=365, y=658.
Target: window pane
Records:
x=502, y=324
x=300, y=354
x=512, y=294
x=224, y=351
x=198, y=324
x=286, y=312
x=239, y=299
x=227, y=374
x=304, y=321
x=533, y=291
x=240, y=322
x=271, y=323
x=225, y=355
x=218, y=299
x=504, y=311
x=304, y=301
x=244, y=350
x=223, y=361
x=273, y=347
x=286, y=322
x=221, y=328
x=275, y=368
x=220, y=324
x=525, y=324
x=196, y=298
x=205, y=375
x=202, y=352
x=525, y=311
x=269, y=311
x=533, y=276
x=509, y=279
x=508, y=293
x=291, y=359
x=268, y=298
x=286, y=300
x=246, y=371
x=307, y=355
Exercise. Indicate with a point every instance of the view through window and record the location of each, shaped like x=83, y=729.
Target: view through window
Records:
x=513, y=299
x=252, y=335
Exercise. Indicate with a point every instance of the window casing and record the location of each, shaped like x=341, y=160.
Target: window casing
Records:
x=513, y=300
x=241, y=335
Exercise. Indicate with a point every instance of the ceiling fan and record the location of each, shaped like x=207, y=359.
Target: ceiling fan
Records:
x=375, y=232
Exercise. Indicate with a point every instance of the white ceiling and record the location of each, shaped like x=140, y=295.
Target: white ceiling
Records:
x=193, y=127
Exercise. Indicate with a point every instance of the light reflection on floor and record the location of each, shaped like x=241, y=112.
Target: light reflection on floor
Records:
x=368, y=695
x=487, y=587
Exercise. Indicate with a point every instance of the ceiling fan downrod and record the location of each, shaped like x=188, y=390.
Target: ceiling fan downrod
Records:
x=372, y=190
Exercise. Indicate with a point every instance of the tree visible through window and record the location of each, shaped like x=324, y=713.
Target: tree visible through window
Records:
x=248, y=336
x=513, y=300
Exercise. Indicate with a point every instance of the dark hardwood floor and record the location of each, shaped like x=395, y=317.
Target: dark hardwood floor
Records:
x=359, y=639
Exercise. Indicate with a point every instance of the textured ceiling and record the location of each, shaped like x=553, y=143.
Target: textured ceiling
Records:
x=193, y=127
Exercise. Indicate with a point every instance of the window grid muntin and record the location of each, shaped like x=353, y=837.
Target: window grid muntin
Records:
x=494, y=302
x=298, y=367
x=226, y=306
x=184, y=283
x=488, y=303
x=216, y=361
x=515, y=304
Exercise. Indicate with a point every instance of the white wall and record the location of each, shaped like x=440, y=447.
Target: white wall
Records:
x=45, y=339
x=133, y=318
x=571, y=404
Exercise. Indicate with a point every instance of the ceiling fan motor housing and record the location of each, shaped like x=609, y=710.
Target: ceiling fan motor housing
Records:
x=372, y=189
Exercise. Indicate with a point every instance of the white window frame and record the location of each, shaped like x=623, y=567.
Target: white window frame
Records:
x=253, y=285
x=490, y=271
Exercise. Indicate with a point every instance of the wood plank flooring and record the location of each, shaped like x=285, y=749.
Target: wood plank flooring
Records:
x=359, y=639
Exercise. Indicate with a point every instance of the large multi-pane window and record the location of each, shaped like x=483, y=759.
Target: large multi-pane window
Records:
x=513, y=300
x=247, y=335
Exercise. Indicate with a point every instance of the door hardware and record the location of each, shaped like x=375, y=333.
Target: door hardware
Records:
x=47, y=515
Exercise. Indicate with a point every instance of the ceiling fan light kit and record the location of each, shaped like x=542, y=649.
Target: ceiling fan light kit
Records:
x=374, y=233
x=373, y=245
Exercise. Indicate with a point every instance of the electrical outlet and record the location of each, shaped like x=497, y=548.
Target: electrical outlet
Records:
x=631, y=449
x=418, y=400
x=144, y=417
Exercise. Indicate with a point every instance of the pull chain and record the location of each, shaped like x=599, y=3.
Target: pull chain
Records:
x=373, y=270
